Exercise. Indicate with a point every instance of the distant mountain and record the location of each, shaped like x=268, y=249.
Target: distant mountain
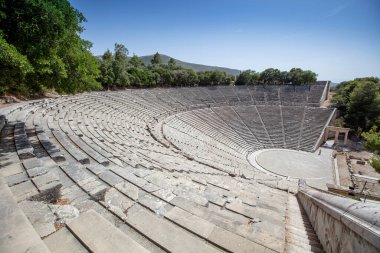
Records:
x=196, y=67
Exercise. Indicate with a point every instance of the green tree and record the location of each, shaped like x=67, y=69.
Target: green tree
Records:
x=120, y=66
x=358, y=101
x=47, y=32
x=372, y=140
x=156, y=60
x=372, y=143
x=295, y=76
x=14, y=66
x=135, y=61
x=248, y=77
x=363, y=107
x=270, y=76
x=107, y=75
x=309, y=76
x=298, y=76
x=172, y=63
x=284, y=77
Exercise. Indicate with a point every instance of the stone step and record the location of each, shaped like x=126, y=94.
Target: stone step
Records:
x=16, y=232
x=291, y=248
x=300, y=235
x=309, y=230
x=88, y=150
x=99, y=235
x=305, y=244
x=50, y=147
x=79, y=155
x=64, y=241
x=312, y=238
x=221, y=218
x=216, y=235
x=300, y=223
x=164, y=233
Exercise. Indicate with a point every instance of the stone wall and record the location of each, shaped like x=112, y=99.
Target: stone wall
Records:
x=330, y=122
x=325, y=93
x=342, y=224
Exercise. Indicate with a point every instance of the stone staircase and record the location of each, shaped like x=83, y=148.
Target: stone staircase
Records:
x=300, y=236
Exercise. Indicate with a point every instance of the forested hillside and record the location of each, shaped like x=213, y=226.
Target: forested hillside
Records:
x=187, y=65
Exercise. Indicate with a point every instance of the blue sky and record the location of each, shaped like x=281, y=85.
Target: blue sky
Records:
x=338, y=39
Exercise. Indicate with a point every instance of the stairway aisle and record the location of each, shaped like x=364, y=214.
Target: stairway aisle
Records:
x=300, y=236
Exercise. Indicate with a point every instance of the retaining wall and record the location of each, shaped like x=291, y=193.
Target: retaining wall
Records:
x=342, y=224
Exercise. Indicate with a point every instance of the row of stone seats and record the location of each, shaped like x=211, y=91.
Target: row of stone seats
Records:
x=181, y=98
x=110, y=163
x=205, y=142
x=206, y=151
x=75, y=171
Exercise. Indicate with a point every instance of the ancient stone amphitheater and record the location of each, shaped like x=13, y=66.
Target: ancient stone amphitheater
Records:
x=168, y=170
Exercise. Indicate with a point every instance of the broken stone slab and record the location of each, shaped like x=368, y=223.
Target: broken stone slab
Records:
x=64, y=213
x=40, y=215
x=128, y=189
x=99, y=192
x=63, y=241
x=165, y=194
x=117, y=202
x=115, y=198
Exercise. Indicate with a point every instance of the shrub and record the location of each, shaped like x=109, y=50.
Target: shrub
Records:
x=375, y=163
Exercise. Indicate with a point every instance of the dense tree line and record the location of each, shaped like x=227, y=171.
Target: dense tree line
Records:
x=118, y=71
x=295, y=76
x=41, y=49
x=136, y=74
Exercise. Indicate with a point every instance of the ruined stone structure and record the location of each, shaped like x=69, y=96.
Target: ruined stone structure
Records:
x=165, y=170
